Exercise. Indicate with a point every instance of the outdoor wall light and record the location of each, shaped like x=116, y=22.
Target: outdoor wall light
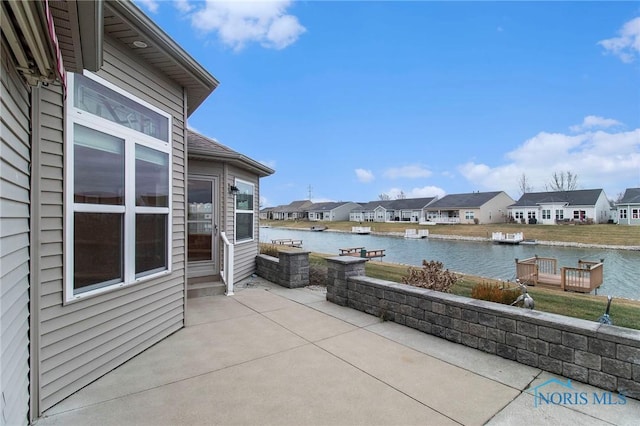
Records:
x=233, y=190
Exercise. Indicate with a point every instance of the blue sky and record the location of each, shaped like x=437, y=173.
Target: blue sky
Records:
x=354, y=99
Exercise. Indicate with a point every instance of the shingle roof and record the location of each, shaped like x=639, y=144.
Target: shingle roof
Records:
x=325, y=207
x=631, y=196
x=458, y=201
x=200, y=146
x=401, y=204
x=294, y=206
x=581, y=197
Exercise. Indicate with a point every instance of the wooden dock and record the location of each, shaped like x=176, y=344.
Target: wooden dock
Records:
x=507, y=238
x=544, y=272
x=287, y=242
x=361, y=252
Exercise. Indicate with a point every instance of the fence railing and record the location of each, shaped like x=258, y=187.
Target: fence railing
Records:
x=226, y=272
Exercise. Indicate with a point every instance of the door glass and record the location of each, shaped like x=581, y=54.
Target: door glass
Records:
x=200, y=220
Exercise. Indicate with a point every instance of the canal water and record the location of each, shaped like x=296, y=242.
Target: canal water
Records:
x=480, y=258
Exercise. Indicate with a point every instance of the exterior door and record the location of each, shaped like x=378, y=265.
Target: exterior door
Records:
x=202, y=228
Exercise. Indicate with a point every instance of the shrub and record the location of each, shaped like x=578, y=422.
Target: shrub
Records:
x=269, y=249
x=318, y=274
x=431, y=276
x=495, y=293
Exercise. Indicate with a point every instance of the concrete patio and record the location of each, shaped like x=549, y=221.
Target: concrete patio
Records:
x=270, y=355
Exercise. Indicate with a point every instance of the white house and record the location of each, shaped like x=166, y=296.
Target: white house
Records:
x=629, y=207
x=585, y=205
x=331, y=211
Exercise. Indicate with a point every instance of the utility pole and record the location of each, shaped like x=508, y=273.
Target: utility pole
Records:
x=310, y=189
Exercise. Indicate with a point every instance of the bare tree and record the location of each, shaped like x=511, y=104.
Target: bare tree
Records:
x=523, y=184
x=401, y=195
x=384, y=197
x=563, y=181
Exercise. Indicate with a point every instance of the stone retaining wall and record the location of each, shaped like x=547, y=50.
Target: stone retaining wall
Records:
x=290, y=269
x=602, y=355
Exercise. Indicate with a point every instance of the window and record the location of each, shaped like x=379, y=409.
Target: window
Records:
x=546, y=214
x=469, y=215
x=634, y=213
x=623, y=213
x=244, y=211
x=579, y=214
x=531, y=215
x=118, y=172
x=559, y=214
x=519, y=215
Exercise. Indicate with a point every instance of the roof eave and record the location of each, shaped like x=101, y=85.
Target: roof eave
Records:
x=134, y=15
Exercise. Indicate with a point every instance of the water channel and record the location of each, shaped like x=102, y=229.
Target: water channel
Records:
x=480, y=258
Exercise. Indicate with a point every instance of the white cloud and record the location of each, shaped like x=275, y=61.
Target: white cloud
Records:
x=426, y=191
x=151, y=5
x=240, y=22
x=599, y=159
x=627, y=45
x=593, y=121
x=411, y=172
x=183, y=6
x=364, y=176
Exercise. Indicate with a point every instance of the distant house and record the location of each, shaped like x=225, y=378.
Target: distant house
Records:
x=373, y=211
x=296, y=210
x=562, y=206
x=331, y=211
x=401, y=210
x=629, y=207
x=474, y=207
x=267, y=213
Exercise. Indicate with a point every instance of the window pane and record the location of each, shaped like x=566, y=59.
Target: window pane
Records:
x=200, y=200
x=93, y=97
x=152, y=177
x=200, y=220
x=244, y=226
x=151, y=243
x=244, y=199
x=98, y=250
x=98, y=167
x=199, y=242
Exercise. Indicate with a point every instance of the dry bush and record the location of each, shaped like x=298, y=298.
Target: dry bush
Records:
x=269, y=249
x=495, y=293
x=318, y=274
x=431, y=276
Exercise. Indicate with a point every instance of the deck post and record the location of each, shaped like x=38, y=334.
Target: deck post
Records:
x=563, y=277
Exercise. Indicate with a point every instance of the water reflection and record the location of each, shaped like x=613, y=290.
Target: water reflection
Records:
x=476, y=258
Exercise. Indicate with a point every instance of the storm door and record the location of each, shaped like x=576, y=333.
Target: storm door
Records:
x=202, y=228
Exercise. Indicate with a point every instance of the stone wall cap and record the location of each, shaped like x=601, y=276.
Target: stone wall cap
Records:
x=612, y=333
x=345, y=260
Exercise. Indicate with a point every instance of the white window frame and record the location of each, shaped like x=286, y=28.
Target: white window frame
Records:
x=469, y=215
x=132, y=138
x=252, y=211
x=546, y=214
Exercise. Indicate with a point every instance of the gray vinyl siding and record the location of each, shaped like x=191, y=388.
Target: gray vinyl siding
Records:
x=15, y=157
x=245, y=252
x=83, y=340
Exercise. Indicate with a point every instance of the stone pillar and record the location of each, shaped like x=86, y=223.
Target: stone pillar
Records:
x=340, y=269
x=293, y=271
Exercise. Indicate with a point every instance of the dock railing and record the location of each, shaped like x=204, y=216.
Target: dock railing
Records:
x=528, y=271
x=587, y=277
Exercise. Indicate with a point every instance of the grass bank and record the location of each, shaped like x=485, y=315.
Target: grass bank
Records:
x=624, y=313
